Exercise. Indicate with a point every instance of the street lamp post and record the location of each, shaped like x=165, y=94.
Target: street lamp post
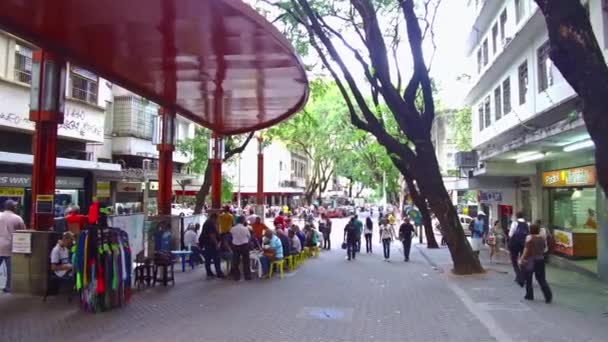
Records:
x=260, y=187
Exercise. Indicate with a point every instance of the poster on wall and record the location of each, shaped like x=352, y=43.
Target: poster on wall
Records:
x=563, y=242
x=134, y=226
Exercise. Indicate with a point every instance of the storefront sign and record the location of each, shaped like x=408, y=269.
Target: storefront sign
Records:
x=12, y=192
x=22, y=243
x=128, y=187
x=490, y=196
x=25, y=181
x=563, y=242
x=80, y=121
x=103, y=189
x=580, y=176
x=44, y=204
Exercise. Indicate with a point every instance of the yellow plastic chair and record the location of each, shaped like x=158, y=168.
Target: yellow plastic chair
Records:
x=306, y=252
x=279, y=264
x=316, y=251
x=290, y=262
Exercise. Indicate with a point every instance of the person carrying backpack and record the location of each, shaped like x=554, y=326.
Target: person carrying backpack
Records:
x=517, y=240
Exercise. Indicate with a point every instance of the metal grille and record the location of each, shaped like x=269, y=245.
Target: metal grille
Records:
x=84, y=89
x=23, y=64
x=134, y=116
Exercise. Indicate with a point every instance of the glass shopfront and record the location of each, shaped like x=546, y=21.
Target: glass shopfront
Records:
x=572, y=210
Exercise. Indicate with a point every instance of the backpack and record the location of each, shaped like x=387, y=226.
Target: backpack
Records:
x=519, y=237
x=477, y=227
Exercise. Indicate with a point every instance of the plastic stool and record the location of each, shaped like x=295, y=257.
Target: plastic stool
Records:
x=279, y=264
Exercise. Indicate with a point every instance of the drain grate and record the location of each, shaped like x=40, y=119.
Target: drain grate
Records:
x=326, y=314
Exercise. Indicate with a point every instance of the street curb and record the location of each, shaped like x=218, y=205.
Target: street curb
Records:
x=430, y=261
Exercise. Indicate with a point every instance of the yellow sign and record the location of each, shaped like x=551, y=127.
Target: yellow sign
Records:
x=45, y=198
x=103, y=189
x=580, y=176
x=12, y=192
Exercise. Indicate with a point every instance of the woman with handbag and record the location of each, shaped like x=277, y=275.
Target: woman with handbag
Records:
x=532, y=262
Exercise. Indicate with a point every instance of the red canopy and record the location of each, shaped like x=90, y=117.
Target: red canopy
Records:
x=216, y=62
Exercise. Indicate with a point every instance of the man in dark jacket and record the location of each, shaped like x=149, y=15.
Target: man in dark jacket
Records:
x=209, y=243
x=405, y=235
x=284, y=241
x=351, y=236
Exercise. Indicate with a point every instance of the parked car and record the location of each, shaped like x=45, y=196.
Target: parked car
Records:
x=465, y=220
x=179, y=210
x=335, y=212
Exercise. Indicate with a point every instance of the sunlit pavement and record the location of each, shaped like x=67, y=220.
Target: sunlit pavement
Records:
x=327, y=299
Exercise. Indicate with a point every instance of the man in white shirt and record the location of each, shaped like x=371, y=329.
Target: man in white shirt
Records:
x=191, y=243
x=60, y=256
x=241, y=236
x=252, y=216
x=9, y=223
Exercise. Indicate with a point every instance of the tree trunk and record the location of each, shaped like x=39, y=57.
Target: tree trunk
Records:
x=420, y=202
x=203, y=191
x=350, y=188
x=431, y=184
x=579, y=57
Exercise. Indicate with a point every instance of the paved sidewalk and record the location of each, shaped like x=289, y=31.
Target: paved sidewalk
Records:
x=579, y=310
x=327, y=299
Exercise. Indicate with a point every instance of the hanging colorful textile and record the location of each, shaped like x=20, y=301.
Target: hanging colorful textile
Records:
x=102, y=262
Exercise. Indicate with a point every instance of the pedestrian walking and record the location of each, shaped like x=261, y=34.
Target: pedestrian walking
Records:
x=241, y=236
x=9, y=223
x=405, y=235
x=350, y=239
x=387, y=234
x=359, y=225
x=369, y=230
x=532, y=262
x=477, y=233
x=517, y=239
x=325, y=225
x=492, y=239
x=209, y=240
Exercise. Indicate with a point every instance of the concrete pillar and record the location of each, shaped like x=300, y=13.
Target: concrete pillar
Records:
x=47, y=96
x=165, y=162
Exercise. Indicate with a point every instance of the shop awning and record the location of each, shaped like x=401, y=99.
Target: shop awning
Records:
x=216, y=62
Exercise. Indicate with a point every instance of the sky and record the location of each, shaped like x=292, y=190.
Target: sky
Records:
x=452, y=26
x=452, y=29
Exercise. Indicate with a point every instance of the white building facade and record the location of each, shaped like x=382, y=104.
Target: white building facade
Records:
x=534, y=152
x=102, y=143
x=285, y=174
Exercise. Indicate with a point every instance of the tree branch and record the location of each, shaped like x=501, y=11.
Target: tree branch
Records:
x=231, y=152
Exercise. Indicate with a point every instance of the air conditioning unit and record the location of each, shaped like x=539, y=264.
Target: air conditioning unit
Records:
x=466, y=159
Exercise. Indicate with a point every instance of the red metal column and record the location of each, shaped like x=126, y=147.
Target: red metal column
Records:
x=215, y=158
x=47, y=97
x=165, y=162
x=260, y=194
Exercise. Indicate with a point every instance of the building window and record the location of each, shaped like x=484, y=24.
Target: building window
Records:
x=484, y=48
x=519, y=10
x=480, y=117
x=494, y=38
x=506, y=96
x=503, y=25
x=523, y=82
x=545, y=72
x=497, y=103
x=23, y=64
x=84, y=85
x=479, y=61
x=487, y=111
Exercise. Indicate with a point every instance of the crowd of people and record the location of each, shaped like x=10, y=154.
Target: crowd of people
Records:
x=232, y=236
x=528, y=246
